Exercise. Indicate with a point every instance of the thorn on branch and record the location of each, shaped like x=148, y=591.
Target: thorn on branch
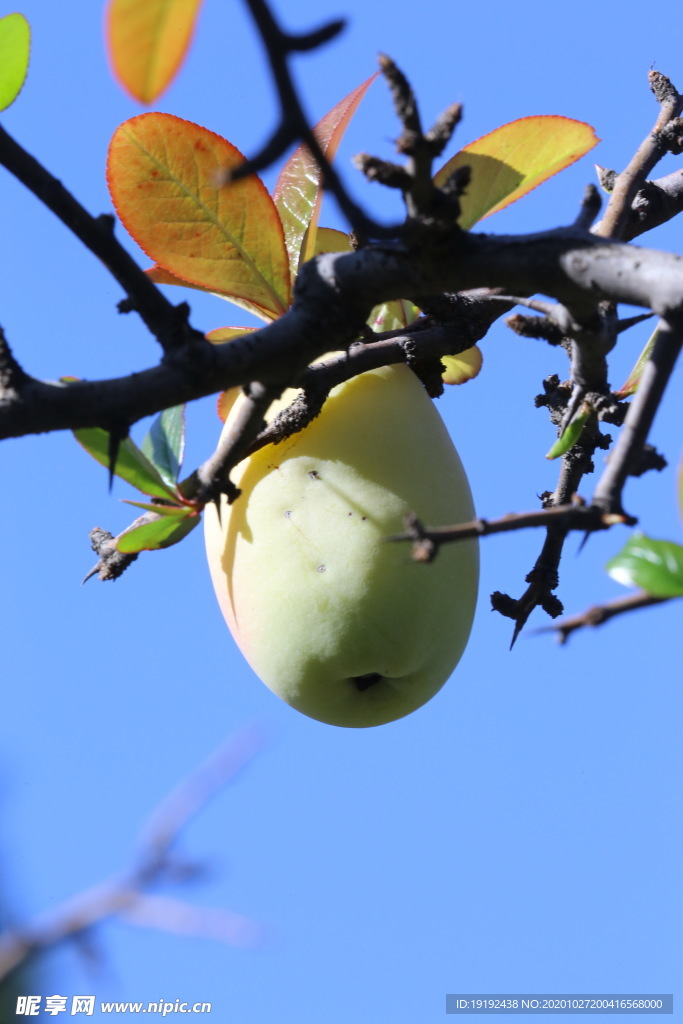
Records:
x=383, y=171
x=441, y=132
x=606, y=177
x=535, y=327
x=112, y=562
x=12, y=376
x=590, y=208
x=405, y=105
x=662, y=88
x=315, y=39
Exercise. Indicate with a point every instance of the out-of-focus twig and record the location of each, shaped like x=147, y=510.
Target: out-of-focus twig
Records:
x=601, y=613
x=126, y=896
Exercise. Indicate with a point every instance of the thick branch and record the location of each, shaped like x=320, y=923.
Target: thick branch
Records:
x=334, y=296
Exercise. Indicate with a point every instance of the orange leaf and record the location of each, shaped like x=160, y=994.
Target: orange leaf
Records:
x=463, y=367
x=161, y=276
x=163, y=174
x=298, y=193
x=225, y=402
x=512, y=160
x=148, y=40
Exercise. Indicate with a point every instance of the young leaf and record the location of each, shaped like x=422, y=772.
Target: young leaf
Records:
x=161, y=276
x=164, y=445
x=131, y=465
x=163, y=177
x=331, y=240
x=512, y=160
x=219, y=335
x=148, y=40
x=571, y=433
x=15, y=45
x=463, y=367
x=631, y=385
x=298, y=193
x=655, y=566
x=159, y=531
x=392, y=316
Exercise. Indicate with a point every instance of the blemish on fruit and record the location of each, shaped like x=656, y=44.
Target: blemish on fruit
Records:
x=288, y=513
x=366, y=681
x=322, y=568
x=314, y=474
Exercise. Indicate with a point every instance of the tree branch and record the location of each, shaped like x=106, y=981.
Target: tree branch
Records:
x=125, y=895
x=599, y=614
x=168, y=323
x=650, y=151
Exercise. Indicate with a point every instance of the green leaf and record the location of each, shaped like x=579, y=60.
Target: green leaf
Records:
x=131, y=464
x=655, y=566
x=164, y=445
x=463, y=367
x=631, y=385
x=571, y=433
x=15, y=45
x=157, y=531
x=162, y=510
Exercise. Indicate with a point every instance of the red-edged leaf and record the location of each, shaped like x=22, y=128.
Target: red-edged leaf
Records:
x=512, y=160
x=163, y=175
x=15, y=46
x=297, y=193
x=161, y=276
x=148, y=40
x=463, y=367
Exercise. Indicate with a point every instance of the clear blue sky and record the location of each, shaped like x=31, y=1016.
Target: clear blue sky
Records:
x=522, y=832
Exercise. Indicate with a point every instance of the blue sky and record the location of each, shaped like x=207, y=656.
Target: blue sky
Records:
x=521, y=832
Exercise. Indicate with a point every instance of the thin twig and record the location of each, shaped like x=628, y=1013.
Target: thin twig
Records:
x=568, y=517
x=650, y=151
x=599, y=614
x=641, y=413
x=168, y=323
x=294, y=126
x=125, y=895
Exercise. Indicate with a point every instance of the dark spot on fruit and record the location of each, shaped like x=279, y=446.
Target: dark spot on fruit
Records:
x=288, y=513
x=322, y=568
x=363, y=518
x=314, y=474
x=368, y=680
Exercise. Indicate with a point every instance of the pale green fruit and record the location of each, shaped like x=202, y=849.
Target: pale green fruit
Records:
x=342, y=625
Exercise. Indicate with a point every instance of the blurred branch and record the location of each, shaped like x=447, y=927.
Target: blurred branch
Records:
x=126, y=895
x=601, y=613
